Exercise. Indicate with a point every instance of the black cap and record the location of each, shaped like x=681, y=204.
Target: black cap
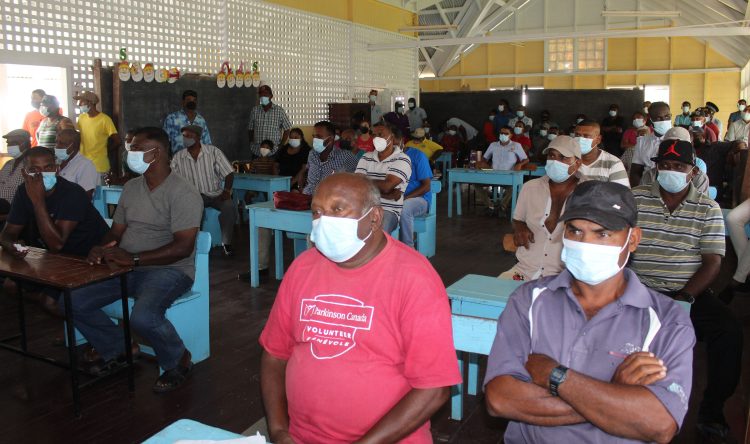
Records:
x=712, y=106
x=608, y=204
x=678, y=150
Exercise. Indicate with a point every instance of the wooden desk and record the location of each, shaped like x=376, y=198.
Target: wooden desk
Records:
x=457, y=176
x=65, y=273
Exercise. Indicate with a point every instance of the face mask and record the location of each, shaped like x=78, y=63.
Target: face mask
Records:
x=427, y=129
x=697, y=123
x=84, y=109
x=612, y=113
x=557, y=171
x=336, y=237
x=741, y=107
x=364, y=130
x=492, y=118
x=645, y=110
x=136, y=163
x=411, y=106
x=336, y=138
x=551, y=136
x=319, y=145
x=519, y=114
x=14, y=151
x=380, y=144
x=61, y=154
x=592, y=263
x=501, y=108
x=579, y=120
x=662, y=127
x=35, y=104
x=372, y=98
x=49, y=179
x=187, y=141
x=264, y=152
x=127, y=146
x=672, y=181
x=637, y=123
x=400, y=110
x=265, y=100
x=685, y=109
x=43, y=111
x=345, y=145
x=294, y=143
x=452, y=132
x=745, y=116
x=585, y=144
x=504, y=138
x=517, y=130
x=543, y=133
x=191, y=106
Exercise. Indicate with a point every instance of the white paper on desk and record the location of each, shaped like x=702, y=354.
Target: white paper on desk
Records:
x=257, y=439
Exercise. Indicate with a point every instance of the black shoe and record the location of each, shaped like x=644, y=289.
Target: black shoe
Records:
x=228, y=251
x=101, y=367
x=714, y=433
x=172, y=379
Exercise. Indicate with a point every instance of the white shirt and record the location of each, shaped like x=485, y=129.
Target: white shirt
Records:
x=82, y=171
x=528, y=121
x=416, y=117
x=646, y=147
x=737, y=131
x=471, y=132
x=504, y=156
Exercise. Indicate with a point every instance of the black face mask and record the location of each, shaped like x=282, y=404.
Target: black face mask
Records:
x=364, y=129
x=345, y=145
x=191, y=106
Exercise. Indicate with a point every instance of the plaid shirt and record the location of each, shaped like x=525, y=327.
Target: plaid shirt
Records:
x=267, y=125
x=10, y=179
x=175, y=122
x=339, y=161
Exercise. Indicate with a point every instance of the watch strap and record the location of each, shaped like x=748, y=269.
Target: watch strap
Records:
x=556, y=378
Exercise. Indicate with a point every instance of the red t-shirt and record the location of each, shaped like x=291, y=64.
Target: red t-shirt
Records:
x=522, y=140
x=364, y=145
x=489, y=132
x=31, y=123
x=357, y=341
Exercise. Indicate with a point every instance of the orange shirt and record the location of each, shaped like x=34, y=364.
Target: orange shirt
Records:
x=31, y=123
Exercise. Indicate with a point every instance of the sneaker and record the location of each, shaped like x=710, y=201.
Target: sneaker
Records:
x=228, y=251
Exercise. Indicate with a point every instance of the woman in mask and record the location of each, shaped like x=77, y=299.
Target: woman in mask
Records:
x=637, y=128
x=292, y=157
x=54, y=121
x=363, y=142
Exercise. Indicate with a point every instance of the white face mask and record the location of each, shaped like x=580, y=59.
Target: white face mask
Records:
x=746, y=116
x=543, y=133
x=551, y=136
x=373, y=98
x=612, y=113
x=685, y=109
x=294, y=143
x=662, y=127
x=741, y=107
x=452, y=132
x=380, y=144
x=638, y=123
x=519, y=114
x=336, y=237
x=492, y=118
x=579, y=120
x=264, y=152
x=501, y=108
x=593, y=263
x=697, y=123
x=645, y=110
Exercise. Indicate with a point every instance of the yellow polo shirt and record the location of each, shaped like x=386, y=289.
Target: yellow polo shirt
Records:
x=95, y=133
x=427, y=146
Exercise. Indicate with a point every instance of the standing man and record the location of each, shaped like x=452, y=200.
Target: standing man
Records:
x=11, y=176
x=597, y=164
x=680, y=256
x=188, y=115
x=612, y=128
x=46, y=133
x=34, y=117
x=521, y=116
x=206, y=167
x=74, y=167
x=592, y=355
x=375, y=112
x=684, y=118
x=99, y=139
x=154, y=230
x=398, y=119
x=389, y=169
x=737, y=115
x=324, y=158
x=268, y=121
x=343, y=325
x=415, y=114
x=417, y=196
x=738, y=129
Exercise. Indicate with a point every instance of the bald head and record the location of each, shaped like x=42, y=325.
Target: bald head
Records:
x=356, y=191
x=68, y=138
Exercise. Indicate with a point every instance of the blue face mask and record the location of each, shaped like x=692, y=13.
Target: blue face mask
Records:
x=592, y=263
x=265, y=100
x=557, y=171
x=49, y=179
x=662, y=127
x=504, y=138
x=14, y=151
x=84, y=109
x=136, y=163
x=585, y=144
x=517, y=130
x=672, y=181
x=61, y=154
x=319, y=145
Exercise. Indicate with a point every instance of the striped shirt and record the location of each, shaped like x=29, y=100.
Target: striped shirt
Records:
x=672, y=244
x=207, y=172
x=267, y=125
x=397, y=164
x=607, y=168
x=46, y=133
x=338, y=161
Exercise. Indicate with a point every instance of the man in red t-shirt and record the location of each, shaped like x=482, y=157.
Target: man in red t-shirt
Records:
x=358, y=345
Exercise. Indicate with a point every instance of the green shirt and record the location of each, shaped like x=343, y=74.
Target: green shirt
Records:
x=672, y=244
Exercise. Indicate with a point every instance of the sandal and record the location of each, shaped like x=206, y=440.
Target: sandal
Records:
x=90, y=354
x=172, y=379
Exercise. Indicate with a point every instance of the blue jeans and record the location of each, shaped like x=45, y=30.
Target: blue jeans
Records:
x=416, y=206
x=390, y=221
x=154, y=290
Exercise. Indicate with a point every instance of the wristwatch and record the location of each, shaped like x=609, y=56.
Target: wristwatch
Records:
x=556, y=378
x=684, y=296
x=136, y=260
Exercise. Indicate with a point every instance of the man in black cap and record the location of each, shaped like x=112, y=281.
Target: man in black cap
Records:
x=188, y=115
x=680, y=255
x=591, y=354
x=206, y=167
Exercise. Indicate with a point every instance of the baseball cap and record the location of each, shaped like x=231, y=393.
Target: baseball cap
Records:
x=418, y=133
x=678, y=150
x=18, y=133
x=677, y=133
x=193, y=129
x=88, y=96
x=608, y=204
x=566, y=145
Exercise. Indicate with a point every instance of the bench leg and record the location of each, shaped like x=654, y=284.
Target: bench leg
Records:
x=426, y=240
x=473, y=382
x=457, y=392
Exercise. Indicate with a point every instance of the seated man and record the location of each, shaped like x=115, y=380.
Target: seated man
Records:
x=62, y=216
x=10, y=175
x=699, y=180
x=324, y=158
x=206, y=167
x=680, y=255
x=154, y=231
x=597, y=164
x=537, y=232
x=419, y=141
x=74, y=166
x=391, y=342
x=418, y=195
x=389, y=169
x=592, y=355
x=505, y=155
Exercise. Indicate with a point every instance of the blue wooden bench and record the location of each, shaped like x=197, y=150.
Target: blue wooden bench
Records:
x=210, y=224
x=189, y=313
x=426, y=226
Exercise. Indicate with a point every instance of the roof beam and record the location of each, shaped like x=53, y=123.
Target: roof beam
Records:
x=435, y=11
x=422, y=4
x=428, y=59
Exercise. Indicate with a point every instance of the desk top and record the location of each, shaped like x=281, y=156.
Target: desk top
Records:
x=192, y=430
x=484, y=289
x=268, y=177
x=488, y=171
x=56, y=270
x=268, y=205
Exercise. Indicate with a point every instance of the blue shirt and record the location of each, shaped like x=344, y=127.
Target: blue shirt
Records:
x=682, y=120
x=502, y=120
x=175, y=122
x=420, y=170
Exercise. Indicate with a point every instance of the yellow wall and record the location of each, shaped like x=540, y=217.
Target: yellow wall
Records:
x=364, y=12
x=624, y=54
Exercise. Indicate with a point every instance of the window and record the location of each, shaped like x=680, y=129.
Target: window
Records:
x=656, y=93
x=575, y=54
